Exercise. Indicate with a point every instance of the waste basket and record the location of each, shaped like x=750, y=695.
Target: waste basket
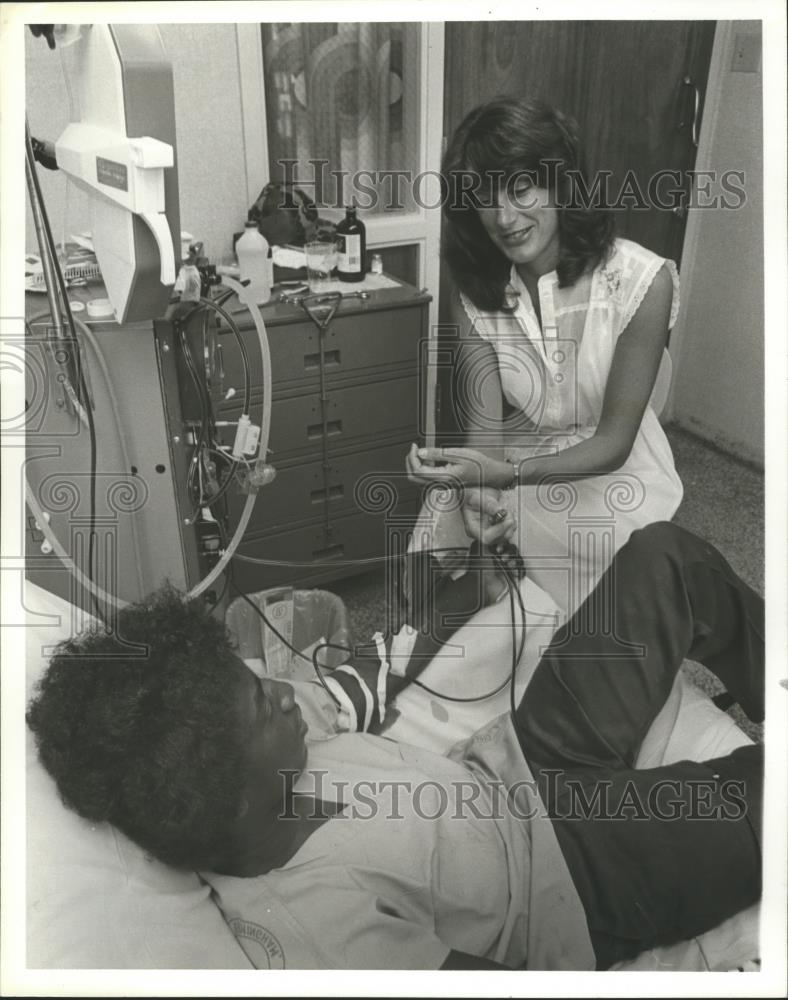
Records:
x=303, y=617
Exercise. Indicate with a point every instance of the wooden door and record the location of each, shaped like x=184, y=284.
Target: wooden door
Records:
x=630, y=85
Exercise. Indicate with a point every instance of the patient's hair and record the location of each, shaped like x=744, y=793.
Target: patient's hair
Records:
x=144, y=737
x=496, y=141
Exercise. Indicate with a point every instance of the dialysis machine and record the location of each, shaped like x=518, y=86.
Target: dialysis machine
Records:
x=118, y=453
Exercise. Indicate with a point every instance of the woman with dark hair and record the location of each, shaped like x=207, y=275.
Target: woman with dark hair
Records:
x=563, y=330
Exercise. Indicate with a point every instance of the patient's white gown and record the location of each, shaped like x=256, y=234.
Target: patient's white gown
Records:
x=555, y=377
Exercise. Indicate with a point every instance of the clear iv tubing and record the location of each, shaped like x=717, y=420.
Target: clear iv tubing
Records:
x=246, y=514
x=64, y=557
x=265, y=429
x=90, y=337
x=265, y=353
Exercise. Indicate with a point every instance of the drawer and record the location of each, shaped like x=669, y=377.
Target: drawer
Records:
x=354, y=544
x=357, y=482
x=353, y=344
x=385, y=408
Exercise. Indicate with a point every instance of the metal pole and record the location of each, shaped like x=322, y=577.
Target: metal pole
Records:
x=43, y=246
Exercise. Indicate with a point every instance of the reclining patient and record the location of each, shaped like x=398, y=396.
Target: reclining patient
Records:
x=535, y=844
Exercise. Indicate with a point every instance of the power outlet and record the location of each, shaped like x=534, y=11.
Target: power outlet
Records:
x=746, y=53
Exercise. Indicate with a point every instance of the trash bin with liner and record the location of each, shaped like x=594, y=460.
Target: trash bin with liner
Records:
x=304, y=618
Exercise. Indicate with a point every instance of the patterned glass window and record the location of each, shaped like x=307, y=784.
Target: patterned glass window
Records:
x=342, y=106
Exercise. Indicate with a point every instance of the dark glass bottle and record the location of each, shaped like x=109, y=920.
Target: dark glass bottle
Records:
x=352, y=247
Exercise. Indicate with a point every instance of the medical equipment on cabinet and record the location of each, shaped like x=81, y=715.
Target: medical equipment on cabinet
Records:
x=122, y=154
x=312, y=527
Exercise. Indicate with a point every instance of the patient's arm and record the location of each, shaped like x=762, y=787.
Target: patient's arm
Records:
x=437, y=607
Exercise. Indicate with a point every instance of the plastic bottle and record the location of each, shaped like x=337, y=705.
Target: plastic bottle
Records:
x=252, y=252
x=192, y=285
x=352, y=246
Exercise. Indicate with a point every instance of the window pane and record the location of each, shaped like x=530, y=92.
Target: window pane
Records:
x=344, y=98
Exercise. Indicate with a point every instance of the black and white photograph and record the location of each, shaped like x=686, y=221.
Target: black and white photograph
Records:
x=394, y=499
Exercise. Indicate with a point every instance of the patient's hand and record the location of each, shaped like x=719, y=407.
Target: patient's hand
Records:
x=485, y=519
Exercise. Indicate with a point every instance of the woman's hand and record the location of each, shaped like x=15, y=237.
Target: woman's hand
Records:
x=484, y=517
x=463, y=465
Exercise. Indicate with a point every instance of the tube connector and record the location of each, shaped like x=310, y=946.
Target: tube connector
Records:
x=239, y=445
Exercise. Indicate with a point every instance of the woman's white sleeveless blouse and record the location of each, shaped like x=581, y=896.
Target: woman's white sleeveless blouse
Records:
x=554, y=376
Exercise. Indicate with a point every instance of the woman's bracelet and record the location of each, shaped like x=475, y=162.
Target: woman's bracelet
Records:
x=515, y=475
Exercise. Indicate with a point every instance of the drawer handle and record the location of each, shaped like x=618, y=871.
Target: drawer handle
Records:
x=312, y=361
x=332, y=552
x=332, y=493
x=333, y=427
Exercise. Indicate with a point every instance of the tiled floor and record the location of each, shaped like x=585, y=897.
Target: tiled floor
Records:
x=723, y=502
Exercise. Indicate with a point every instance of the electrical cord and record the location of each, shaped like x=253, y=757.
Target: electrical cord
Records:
x=451, y=697
x=55, y=283
x=517, y=651
x=93, y=471
x=223, y=489
x=211, y=605
x=265, y=357
x=90, y=337
x=514, y=591
x=205, y=436
x=265, y=354
x=48, y=250
x=205, y=303
x=72, y=117
x=283, y=640
x=207, y=432
x=368, y=560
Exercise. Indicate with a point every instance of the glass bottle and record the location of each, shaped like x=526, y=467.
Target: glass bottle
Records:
x=352, y=246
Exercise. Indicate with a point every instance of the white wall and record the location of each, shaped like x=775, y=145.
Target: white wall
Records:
x=718, y=389
x=210, y=138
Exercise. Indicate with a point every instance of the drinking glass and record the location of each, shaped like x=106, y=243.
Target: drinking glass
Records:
x=321, y=259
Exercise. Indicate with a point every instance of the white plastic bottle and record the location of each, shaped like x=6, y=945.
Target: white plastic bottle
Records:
x=252, y=252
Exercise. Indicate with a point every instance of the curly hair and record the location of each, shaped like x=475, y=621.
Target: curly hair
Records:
x=497, y=140
x=136, y=728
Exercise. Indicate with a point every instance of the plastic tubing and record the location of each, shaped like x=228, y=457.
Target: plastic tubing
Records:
x=246, y=513
x=92, y=340
x=64, y=557
x=265, y=429
x=265, y=354
x=229, y=552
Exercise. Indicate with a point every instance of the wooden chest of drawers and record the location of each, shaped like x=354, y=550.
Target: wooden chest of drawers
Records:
x=340, y=490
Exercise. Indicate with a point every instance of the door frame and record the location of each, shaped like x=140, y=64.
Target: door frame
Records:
x=689, y=251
